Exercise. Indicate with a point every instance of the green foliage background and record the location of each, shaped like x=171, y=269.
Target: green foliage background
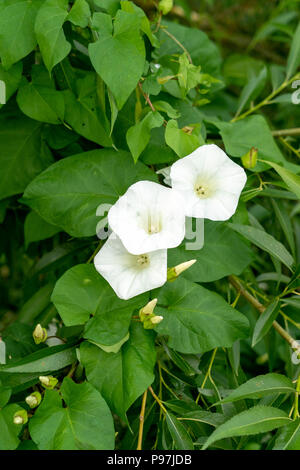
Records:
x=101, y=94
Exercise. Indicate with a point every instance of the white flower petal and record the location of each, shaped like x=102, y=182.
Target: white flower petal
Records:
x=123, y=271
x=148, y=217
x=209, y=182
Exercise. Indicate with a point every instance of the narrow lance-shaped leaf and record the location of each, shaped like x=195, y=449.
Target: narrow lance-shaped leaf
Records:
x=266, y=242
x=265, y=321
x=253, y=421
x=290, y=179
x=260, y=386
x=293, y=61
x=178, y=432
x=288, y=437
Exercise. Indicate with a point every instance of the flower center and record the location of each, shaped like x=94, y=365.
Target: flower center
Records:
x=143, y=261
x=153, y=224
x=203, y=189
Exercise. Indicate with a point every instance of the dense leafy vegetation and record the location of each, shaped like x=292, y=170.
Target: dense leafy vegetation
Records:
x=97, y=95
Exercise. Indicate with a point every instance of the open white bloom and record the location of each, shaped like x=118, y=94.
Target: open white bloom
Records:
x=148, y=217
x=210, y=183
x=128, y=274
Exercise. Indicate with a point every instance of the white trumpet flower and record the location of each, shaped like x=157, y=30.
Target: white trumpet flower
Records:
x=128, y=274
x=148, y=217
x=209, y=182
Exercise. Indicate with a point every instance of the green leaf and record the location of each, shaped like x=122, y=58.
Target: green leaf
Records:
x=261, y=386
x=196, y=319
x=157, y=151
x=253, y=421
x=8, y=430
x=82, y=292
x=84, y=423
x=288, y=437
x=49, y=33
x=145, y=26
x=36, y=228
x=78, y=293
x=47, y=360
x=178, y=432
x=23, y=153
x=181, y=142
x=122, y=377
x=253, y=88
x=17, y=38
x=41, y=103
x=80, y=13
x=58, y=196
x=290, y=179
x=206, y=417
x=82, y=112
x=18, y=341
x=266, y=242
x=36, y=304
x=293, y=60
x=253, y=131
x=265, y=321
x=223, y=253
x=179, y=360
x=138, y=135
x=118, y=58
x=165, y=107
x=286, y=224
x=5, y=393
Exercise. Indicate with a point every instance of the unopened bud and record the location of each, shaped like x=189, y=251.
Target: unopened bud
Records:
x=147, y=310
x=152, y=321
x=249, y=160
x=173, y=273
x=157, y=319
x=166, y=79
x=48, y=381
x=34, y=399
x=39, y=334
x=165, y=6
x=20, y=417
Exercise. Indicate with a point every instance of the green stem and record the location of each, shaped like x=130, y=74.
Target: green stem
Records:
x=296, y=405
x=267, y=100
x=284, y=132
x=234, y=281
x=157, y=399
x=208, y=373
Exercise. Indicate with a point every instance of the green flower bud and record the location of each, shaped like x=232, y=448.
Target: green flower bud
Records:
x=39, y=334
x=146, y=311
x=173, y=273
x=166, y=79
x=151, y=322
x=20, y=417
x=48, y=381
x=165, y=6
x=34, y=399
x=156, y=320
x=249, y=160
